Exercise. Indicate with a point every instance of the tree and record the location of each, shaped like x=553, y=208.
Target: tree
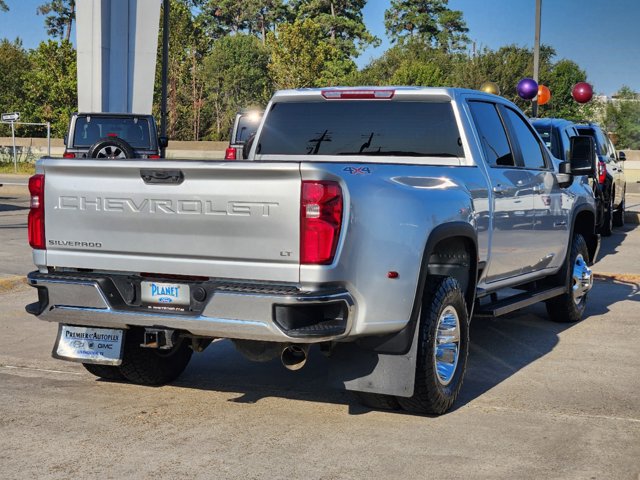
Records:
x=60, y=15
x=51, y=86
x=3, y=6
x=15, y=59
x=301, y=56
x=185, y=89
x=430, y=22
x=622, y=117
x=342, y=21
x=236, y=77
x=410, y=63
x=419, y=74
x=255, y=17
x=563, y=75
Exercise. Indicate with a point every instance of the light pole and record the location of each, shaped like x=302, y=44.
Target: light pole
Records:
x=165, y=72
x=536, y=56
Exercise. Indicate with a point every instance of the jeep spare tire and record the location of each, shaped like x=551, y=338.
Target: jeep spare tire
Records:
x=111, y=147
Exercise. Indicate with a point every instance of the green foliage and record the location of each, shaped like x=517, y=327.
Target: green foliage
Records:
x=14, y=59
x=255, y=17
x=430, y=22
x=50, y=87
x=410, y=63
x=341, y=20
x=563, y=76
x=420, y=74
x=301, y=56
x=60, y=15
x=185, y=92
x=236, y=78
x=622, y=117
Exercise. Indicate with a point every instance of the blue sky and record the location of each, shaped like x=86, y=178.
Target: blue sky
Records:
x=602, y=36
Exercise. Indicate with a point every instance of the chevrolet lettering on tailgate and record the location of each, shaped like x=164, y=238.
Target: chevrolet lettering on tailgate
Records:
x=177, y=207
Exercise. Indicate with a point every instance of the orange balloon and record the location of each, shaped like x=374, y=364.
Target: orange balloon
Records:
x=544, y=94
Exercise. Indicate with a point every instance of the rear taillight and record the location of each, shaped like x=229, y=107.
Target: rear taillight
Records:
x=154, y=156
x=320, y=221
x=602, y=172
x=230, y=154
x=36, y=212
x=68, y=155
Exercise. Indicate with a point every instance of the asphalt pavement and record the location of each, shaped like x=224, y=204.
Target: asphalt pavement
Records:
x=540, y=400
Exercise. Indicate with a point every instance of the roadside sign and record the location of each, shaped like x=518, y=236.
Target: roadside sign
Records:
x=10, y=117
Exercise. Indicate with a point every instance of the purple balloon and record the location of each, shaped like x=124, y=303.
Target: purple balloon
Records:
x=527, y=88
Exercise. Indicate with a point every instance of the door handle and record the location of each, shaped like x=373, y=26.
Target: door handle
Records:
x=499, y=189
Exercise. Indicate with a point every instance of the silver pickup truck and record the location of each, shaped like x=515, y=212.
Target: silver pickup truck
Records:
x=373, y=222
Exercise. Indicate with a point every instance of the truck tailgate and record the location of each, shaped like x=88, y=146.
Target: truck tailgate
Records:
x=214, y=219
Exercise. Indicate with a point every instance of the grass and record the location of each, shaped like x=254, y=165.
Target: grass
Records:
x=23, y=167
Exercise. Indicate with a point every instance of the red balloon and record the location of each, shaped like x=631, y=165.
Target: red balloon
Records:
x=544, y=94
x=582, y=92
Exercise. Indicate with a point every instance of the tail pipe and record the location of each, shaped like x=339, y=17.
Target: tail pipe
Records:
x=294, y=357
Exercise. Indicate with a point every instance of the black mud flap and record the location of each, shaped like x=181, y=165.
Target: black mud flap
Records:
x=363, y=370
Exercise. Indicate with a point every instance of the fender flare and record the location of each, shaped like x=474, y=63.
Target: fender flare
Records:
x=400, y=342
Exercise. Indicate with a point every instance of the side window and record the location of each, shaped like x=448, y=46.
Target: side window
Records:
x=602, y=141
x=567, y=133
x=492, y=135
x=530, y=147
x=612, y=149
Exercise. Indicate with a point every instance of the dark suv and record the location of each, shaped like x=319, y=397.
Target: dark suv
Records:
x=111, y=135
x=612, y=178
x=556, y=134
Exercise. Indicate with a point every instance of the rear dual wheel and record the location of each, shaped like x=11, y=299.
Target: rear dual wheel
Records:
x=145, y=366
x=443, y=347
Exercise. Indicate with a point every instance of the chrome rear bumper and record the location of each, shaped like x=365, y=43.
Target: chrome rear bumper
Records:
x=248, y=312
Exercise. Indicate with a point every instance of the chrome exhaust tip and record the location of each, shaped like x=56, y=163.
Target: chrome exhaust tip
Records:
x=294, y=357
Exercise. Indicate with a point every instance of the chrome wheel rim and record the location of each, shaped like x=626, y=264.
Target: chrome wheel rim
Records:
x=582, y=279
x=111, y=152
x=447, y=348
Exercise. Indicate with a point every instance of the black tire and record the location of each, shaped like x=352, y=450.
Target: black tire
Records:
x=431, y=394
x=111, y=148
x=149, y=366
x=565, y=308
x=618, y=214
x=377, y=401
x=107, y=372
x=607, y=223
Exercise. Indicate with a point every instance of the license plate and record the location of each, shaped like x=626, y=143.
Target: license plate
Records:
x=89, y=345
x=165, y=296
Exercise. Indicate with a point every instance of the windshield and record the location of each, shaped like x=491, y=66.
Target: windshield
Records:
x=361, y=128
x=549, y=139
x=133, y=130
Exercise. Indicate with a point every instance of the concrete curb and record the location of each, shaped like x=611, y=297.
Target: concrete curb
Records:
x=9, y=283
x=619, y=277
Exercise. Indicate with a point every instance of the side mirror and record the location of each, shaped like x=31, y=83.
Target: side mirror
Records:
x=564, y=176
x=163, y=142
x=65, y=139
x=582, y=155
x=622, y=157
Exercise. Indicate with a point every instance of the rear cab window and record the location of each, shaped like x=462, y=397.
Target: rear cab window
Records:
x=89, y=129
x=247, y=126
x=362, y=128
